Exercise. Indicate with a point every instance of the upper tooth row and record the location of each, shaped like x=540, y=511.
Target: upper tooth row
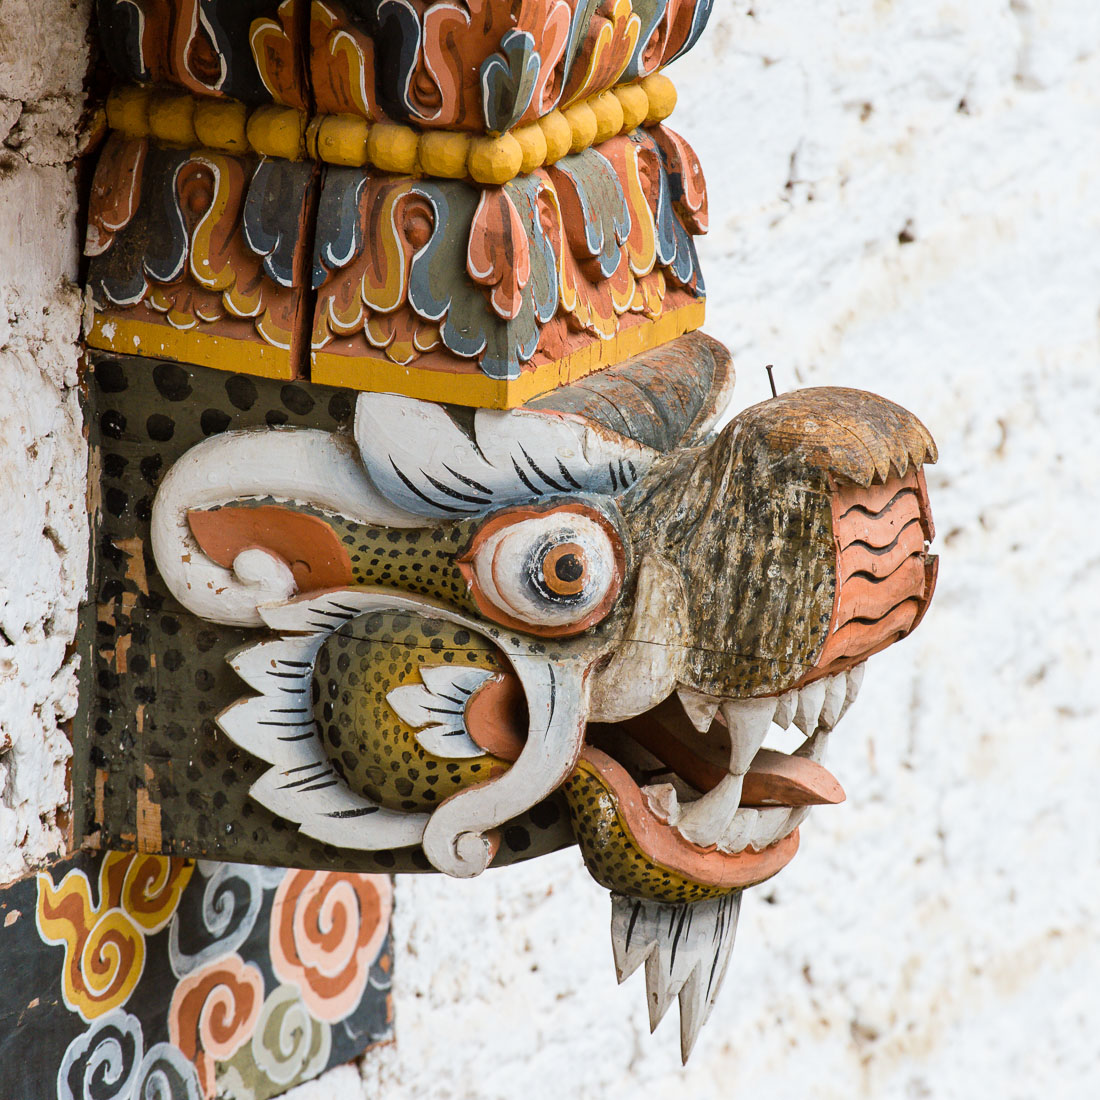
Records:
x=818, y=705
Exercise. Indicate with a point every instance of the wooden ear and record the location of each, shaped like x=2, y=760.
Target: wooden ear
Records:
x=310, y=547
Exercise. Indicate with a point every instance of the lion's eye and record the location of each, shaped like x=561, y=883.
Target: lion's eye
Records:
x=556, y=573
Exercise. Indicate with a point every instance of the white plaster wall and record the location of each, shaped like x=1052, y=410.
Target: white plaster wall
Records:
x=936, y=936
x=43, y=524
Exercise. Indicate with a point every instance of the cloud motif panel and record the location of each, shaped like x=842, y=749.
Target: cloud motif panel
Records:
x=134, y=976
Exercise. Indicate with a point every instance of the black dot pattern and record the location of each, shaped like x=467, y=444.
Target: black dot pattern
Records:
x=370, y=747
x=421, y=560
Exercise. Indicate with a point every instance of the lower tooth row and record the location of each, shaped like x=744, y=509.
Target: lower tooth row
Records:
x=711, y=816
x=749, y=827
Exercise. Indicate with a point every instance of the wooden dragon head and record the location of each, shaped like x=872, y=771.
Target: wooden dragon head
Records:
x=598, y=598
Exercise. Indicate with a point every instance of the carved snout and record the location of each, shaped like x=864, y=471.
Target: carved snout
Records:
x=801, y=534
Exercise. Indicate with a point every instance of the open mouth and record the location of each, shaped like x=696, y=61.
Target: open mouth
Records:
x=698, y=791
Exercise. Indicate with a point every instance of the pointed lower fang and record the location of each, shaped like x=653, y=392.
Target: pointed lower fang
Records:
x=663, y=801
x=704, y=821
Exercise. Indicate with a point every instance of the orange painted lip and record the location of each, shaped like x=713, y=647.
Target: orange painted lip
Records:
x=665, y=846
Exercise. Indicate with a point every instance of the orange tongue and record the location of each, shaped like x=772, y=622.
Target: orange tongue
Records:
x=776, y=779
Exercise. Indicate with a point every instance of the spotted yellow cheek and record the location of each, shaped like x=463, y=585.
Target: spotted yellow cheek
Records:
x=376, y=753
x=420, y=560
x=610, y=852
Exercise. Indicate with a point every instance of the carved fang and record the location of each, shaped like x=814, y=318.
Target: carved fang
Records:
x=810, y=700
x=855, y=681
x=748, y=721
x=833, y=706
x=699, y=708
x=706, y=819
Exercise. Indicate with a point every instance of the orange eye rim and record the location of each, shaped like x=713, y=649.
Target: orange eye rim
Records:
x=512, y=516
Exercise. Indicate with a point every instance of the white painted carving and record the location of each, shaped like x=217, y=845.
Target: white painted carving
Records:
x=297, y=465
x=436, y=709
x=278, y=726
x=423, y=460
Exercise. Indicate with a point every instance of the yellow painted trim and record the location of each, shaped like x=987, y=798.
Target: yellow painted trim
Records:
x=350, y=140
x=474, y=388
x=152, y=341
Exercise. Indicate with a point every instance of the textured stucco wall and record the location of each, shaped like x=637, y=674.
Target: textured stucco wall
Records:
x=43, y=525
x=905, y=196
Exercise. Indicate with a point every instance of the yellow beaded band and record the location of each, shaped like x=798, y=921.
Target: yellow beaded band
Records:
x=274, y=131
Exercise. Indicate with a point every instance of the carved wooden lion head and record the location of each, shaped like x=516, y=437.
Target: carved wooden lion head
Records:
x=598, y=597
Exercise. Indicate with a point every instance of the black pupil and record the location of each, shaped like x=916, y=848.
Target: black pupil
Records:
x=568, y=568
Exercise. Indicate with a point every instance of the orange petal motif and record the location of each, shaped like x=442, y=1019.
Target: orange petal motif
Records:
x=689, y=188
x=498, y=255
x=639, y=175
x=608, y=46
x=275, y=53
x=116, y=190
x=341, y=66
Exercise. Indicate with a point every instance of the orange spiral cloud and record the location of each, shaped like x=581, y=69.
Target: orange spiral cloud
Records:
x=214, y=1012
x=327, y=928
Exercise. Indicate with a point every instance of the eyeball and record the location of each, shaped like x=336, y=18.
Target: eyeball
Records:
x=554, y=573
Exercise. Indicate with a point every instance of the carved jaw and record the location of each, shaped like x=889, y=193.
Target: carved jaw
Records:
x=763, y=795
x=696, y=793
x=706, y=774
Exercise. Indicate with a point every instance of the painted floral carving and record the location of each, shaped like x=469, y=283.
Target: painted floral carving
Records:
x=585, y=247
x=473, y=64
x=237, y=48
x=194, y=240
x=549, y=256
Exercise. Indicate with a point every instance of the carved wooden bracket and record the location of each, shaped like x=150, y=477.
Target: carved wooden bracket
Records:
x=474, y=210
x=450, y=561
